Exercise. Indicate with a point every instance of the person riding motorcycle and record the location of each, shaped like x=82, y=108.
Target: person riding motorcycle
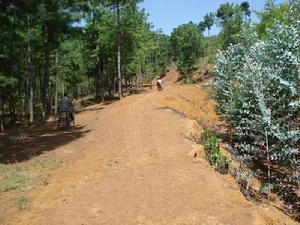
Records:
x=159, y=84
x=65, y=105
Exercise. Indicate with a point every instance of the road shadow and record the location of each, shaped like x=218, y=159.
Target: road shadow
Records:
x=34, y=141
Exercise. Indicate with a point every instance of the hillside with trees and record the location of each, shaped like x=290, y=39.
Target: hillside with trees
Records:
x=91, y=48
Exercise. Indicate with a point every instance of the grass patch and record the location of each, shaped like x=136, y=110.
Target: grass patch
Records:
x=22, y=202
x=24, y=177
x=209, y=92
x=212, y=152
x=2, y=169
x=47, y=164
x=17, y=178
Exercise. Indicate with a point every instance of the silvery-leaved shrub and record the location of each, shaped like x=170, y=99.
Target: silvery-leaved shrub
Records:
x=257, y=90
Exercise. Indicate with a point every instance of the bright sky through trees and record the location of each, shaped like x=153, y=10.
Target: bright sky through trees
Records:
x=168, y=14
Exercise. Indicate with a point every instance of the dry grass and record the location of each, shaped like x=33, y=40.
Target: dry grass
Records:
x=24, y=177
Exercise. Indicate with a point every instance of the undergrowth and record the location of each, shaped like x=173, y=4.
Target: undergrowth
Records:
x=212, y=152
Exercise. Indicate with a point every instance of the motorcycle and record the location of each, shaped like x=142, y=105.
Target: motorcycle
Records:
x=159, y=86
x=64, y=119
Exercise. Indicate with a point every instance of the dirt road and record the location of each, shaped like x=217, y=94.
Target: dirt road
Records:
x=134, y=167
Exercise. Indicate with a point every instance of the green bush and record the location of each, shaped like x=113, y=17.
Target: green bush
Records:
x=211, y=60
x=257, y=90
x=212, y=152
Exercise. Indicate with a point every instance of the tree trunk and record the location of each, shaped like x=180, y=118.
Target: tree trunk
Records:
x=30, y=86
x=30, y=77
x=102, y=90
x=3, y=115
x=63, y=90
x=97, y=89
x=12, y=113
x=41, y=96
x=115, y=79
x=100, y=77
x=137, y=78
x=56, y=83
x=46, y=100
x=119, y=51
x=140, y=74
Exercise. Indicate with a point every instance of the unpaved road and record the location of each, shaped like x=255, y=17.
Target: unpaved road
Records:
x=133, y=167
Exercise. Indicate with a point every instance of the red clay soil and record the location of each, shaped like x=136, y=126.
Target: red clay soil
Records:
x=133, y=165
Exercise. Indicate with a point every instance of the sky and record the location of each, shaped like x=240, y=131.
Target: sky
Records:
x=169, y=14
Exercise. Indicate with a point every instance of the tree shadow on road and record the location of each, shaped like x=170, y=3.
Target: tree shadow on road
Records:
x=34, y=141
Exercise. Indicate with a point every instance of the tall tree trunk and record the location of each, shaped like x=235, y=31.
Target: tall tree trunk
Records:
x=78, y=92
x=97, y=88
x=12, y=112
x=30, y=77
x=119, y=51
x=3, y=114
x=102, y=90
x=100, y=77
x=138, y=76
x=110, y=87
x=115, y=81
x=46, y=100
x=56, y=82
x=41, y=96
x=63, y=87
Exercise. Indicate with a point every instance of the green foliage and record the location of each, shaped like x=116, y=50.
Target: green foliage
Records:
x=212, y=151
x=52, y=47
x=212, y=143
x=201, y=27
x=266, y=188
x=257, y=88
x=211, y=45
x=185, y=46
x=72, y=66
x=211, y=60
x=271, y=14
x=294, y=14
x=206, y=134
x=209, y=20
x=230, y=18
x=246, y=8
